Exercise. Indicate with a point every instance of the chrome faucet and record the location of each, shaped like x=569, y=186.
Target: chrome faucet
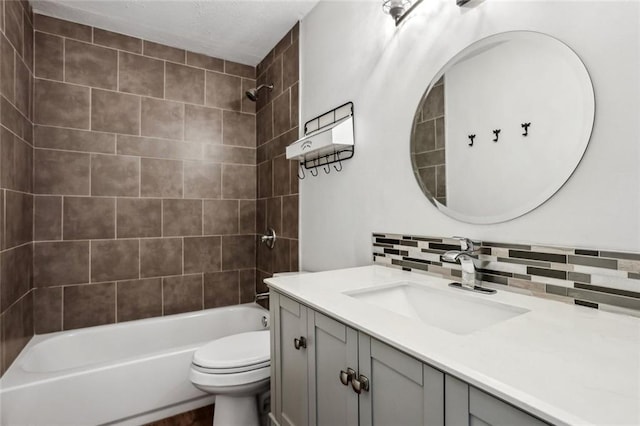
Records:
x=463, y=256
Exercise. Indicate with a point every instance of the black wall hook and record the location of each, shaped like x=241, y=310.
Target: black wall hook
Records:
x=315, y=169
x=471, y=138
x=326, y=169
x=496, y=133
x=525, y=126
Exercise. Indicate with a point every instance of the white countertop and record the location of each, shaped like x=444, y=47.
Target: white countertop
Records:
x=565, y=364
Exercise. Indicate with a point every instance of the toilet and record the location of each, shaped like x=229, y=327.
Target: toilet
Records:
x=236, y=369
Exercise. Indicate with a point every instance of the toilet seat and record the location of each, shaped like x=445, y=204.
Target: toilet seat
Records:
x=240, y=369
x=234, y=360
x=203, y=378
x=235, y=353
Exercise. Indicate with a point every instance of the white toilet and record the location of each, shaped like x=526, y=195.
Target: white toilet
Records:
x=236, y=369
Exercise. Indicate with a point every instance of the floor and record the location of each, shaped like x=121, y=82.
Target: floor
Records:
x=198, y=417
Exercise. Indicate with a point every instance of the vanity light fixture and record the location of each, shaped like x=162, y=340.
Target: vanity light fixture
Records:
x=398, y=9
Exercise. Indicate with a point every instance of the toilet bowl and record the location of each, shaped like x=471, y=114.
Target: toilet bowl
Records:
x=236, y=369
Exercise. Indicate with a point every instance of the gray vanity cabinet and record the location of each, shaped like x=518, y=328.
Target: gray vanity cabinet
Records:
x=289, y=366
x=319, y=365
x=469, y=406
x=395, y=389
x=314, y=385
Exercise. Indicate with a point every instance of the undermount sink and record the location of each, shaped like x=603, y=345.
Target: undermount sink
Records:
x=456, y=313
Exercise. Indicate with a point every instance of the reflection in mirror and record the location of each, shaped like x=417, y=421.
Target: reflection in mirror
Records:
x=502, y=127
x=428, y=151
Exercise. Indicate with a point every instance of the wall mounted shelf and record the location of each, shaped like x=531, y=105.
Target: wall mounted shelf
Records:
x=328, y=139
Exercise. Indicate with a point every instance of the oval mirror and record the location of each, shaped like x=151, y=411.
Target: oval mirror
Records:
x=502, y=127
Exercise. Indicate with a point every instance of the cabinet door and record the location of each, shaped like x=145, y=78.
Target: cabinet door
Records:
x=486, y=409
x=468, y=406
x=289, y=369
x=456, y=402
x=334, y=349
x=402, y=390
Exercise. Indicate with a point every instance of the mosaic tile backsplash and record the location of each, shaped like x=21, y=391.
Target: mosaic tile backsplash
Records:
x=601, y=279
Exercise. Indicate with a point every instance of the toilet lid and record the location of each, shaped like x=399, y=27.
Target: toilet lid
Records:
x=251, y=349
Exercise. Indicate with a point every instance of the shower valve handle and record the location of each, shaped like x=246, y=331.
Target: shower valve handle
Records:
x=269, y=239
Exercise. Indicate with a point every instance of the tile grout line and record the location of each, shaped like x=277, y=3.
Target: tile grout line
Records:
x=64, y=54
x=115, y=219
x=62, y=308
x=115, y=285
x=90, y=244
x=118, y=71
x=139, y=177
x=139, y=115
x=145, y=156
x=90, y=109
x=139, y=259
x=62, y=217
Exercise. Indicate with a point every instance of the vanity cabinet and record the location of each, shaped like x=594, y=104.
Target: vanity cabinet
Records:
x=324, y=373
x=344, y=377
x=466, y=405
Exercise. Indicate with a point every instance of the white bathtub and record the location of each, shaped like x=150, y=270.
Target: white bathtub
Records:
x=128, y=373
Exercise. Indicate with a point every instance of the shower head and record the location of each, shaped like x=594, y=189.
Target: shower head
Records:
x=252, y=94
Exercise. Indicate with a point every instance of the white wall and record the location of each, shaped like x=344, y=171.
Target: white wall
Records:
x=351, y=51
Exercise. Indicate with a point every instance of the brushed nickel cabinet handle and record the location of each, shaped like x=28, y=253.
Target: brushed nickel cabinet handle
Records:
x=300, y=342
x=360, y=384
x=347, y=376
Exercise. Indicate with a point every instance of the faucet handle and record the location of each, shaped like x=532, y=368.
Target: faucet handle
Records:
x=466, y=244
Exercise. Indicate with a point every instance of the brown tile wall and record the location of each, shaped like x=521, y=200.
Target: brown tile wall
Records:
x=16, y=183
x=145, y=179
x=129, y=176
x=277, y=127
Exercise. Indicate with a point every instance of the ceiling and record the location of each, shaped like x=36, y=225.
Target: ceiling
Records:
x=242, y=31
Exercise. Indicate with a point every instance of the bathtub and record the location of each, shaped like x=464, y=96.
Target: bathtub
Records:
x=129, y=373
